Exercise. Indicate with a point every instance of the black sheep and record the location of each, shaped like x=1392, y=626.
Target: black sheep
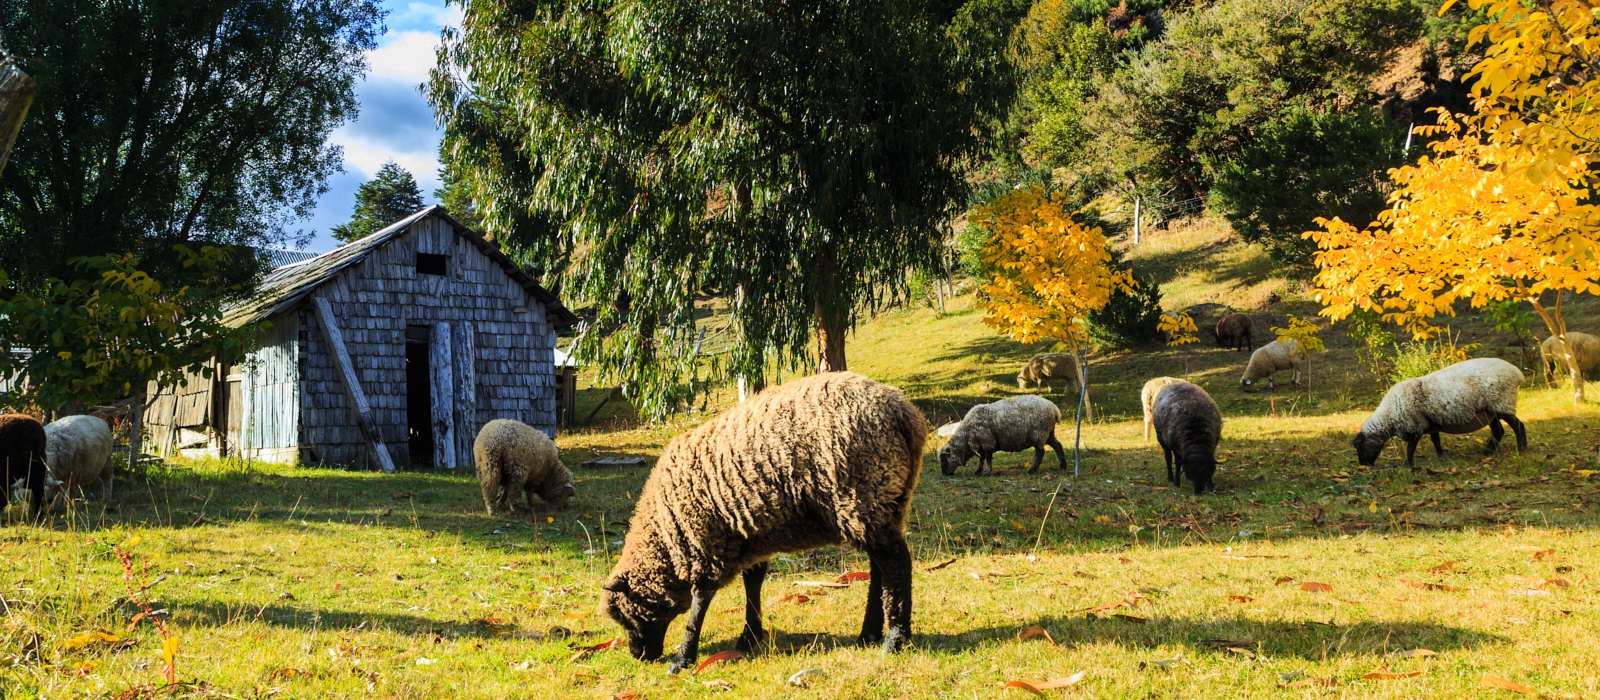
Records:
x=1188, y=425
x=22, y=457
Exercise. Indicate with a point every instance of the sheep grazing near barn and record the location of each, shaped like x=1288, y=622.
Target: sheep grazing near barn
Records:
x=1188, y=427
x=1046, y=368
x=1235, y=331
x=1270, y=359
x=1458, y=399
x=828, y=459
x=516, y=461
x=22, y=456
x=78, y=452
x=1585, y=350
x=1147, y=398
x=1009, y=425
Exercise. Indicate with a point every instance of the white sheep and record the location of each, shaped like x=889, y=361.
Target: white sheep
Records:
x=1585, y=349
x=1458, y=399
x=78, y=451
x=1009, y=425
x=1270, y=359
x=1147, y=397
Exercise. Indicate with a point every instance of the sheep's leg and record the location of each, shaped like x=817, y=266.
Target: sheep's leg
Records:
x=986, y=464
x=1437, y=448
x=1061, y=455
x=891, y=569
x=872, y=619
x=1518, y=428
x=1411, y=448
x=1172, y=477
x=689, y=651
x=754, y=634
x=1497, y=433
x=105, y=484
x=1297, y=376
x=491, y=490
x=1038, y=458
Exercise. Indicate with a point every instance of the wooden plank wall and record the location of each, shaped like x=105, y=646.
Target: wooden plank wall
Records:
x=271, y=394
x=373, y=302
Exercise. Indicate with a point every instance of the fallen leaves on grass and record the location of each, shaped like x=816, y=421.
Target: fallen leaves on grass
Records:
x=1131, y=618
x=585, y=651
x=1415, y=653
x=853, y=577
x=577, y=615
x=821, y=584
x=90, y=638
x=1442, y=568
x=286, y=673
x=1081, y=574
x=1033, y=631
x=1506, y=684
x=800, y=678
x=796, y=598
x=1384, y=674
x=717, y=658
x=1162, y=663
x=1240, y=599
x=625, y=695
x=1314, y=587
x=1311, y=683
x=1558, y=582
x=718, y=684
x=942, y=564
x=1038, y=687
x=1428, y=586
x=1282, y=580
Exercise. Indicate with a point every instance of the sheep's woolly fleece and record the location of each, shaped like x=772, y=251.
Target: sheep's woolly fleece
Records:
x=515, y=461
x=1460, y=398
x=1047, y=367
x=1272, y=358
x=1585, y=347
x=1147, y=397
x=1008, y=425
x=818, y=461
x=78, y=451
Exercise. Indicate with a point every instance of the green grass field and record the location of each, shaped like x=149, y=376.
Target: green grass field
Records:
x=294, y=582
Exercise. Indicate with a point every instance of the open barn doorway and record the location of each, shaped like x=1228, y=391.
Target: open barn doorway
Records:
x=419, y=396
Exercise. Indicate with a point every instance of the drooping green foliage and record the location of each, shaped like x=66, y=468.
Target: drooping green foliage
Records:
x=1130, y=316
x=391, y=195
x=455, y=194
x=162, y=122
x=1307, y=163
x=798, y=159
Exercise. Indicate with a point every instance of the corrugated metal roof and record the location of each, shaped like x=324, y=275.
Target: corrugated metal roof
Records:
x=287, y=286
x=277, y=257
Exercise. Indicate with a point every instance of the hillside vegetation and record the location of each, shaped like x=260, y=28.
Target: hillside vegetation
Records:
x=1302, y=571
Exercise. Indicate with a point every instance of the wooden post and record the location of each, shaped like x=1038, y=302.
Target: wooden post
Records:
x=352, y=386
x=136, y=428
x=443, y=396
x=466, y=385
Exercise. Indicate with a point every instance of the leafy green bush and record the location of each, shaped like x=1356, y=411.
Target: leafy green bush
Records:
x=1422, y=357
x=1129, y=319
x=1305, y=164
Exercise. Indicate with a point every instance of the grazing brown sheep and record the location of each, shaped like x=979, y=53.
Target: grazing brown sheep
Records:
x=22, y=453
x=1235, y=331
x=514, y=460
x=828, y=459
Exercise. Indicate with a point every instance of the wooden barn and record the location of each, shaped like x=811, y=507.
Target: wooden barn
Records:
x=393, y=348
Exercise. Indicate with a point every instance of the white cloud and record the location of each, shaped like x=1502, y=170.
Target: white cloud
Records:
x=365, y=157
x=406, y=55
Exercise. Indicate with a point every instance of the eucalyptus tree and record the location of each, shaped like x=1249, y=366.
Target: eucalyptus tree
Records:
x=164, y=122
x=795, y=158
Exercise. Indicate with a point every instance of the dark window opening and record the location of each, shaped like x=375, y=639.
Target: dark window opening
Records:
x=431, y=264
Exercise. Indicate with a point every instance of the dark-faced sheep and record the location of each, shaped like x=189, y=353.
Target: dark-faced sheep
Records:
x=514, y=462
x=78, y=453
x=1009, y=425
x=1046, y=368
x=1458, y=399
x=1188, y=426
x=1235, y=331
x=22, y=455
x=1270, y=359
x=828, y=459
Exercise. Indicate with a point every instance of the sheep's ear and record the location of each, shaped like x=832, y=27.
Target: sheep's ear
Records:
x=616, y=585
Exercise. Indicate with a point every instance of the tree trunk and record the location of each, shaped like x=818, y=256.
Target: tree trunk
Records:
x=830, y=340
x=1556, y=323
x=136, y=428
x=16, y=94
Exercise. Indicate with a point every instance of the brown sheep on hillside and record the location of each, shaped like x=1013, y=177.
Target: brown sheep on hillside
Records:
x=828, y=459
x=1235, y=332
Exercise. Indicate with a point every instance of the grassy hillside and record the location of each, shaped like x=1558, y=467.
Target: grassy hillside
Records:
x=295, y=582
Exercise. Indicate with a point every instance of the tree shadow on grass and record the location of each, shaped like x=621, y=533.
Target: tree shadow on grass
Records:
x=1278, y=638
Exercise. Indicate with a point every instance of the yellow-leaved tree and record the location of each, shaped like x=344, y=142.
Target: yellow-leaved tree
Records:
x=1501, y=209
x=1048, y=272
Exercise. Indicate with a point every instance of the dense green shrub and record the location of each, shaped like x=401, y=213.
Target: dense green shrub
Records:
x=1129, y=319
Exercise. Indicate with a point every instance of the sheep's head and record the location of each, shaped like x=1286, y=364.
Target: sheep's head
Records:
x=1022, y=380
x=559, y=493
x=1245, y=383
x=953, y=454
x=644, y=616
x=1367, y=448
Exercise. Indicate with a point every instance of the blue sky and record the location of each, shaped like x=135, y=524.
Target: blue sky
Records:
x=395, y=121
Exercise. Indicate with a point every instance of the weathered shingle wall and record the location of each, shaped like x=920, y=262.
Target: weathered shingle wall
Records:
x=374, y=300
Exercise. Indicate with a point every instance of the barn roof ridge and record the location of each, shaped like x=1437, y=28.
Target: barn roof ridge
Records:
x=289, y=285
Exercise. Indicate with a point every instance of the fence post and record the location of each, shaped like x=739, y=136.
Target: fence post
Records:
x=1136, y=202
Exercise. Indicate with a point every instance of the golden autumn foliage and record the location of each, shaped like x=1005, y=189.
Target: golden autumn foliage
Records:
x=1180, y=328
x=1501, y=208
x=1049, y=270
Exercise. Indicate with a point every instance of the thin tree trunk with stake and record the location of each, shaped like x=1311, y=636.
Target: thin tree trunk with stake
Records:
x=16, y=95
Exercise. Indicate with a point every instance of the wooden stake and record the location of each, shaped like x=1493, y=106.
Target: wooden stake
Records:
x=352, y=386
x=443, y=397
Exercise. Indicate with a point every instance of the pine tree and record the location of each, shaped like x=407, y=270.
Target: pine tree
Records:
x=383, y=200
